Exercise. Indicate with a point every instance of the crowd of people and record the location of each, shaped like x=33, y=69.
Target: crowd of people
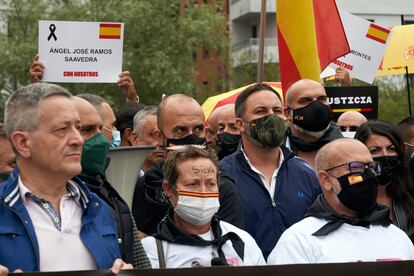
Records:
x=260, y=181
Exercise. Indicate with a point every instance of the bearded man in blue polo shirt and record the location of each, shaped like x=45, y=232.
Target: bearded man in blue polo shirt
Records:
x=275, y=186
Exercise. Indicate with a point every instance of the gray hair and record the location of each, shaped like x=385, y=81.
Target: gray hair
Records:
x=3, y=131
x=95, y=100
x=140, y=118
x=21, y=111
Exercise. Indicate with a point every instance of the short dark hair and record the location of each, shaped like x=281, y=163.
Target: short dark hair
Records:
x=240, y=105
x=125, y=116
x=187, y=152
x=404, y=127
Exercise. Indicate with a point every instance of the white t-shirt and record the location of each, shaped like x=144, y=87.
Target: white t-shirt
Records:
x=177, y=255
x=348, y=243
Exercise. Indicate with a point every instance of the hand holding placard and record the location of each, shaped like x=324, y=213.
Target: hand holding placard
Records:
x=79, y=51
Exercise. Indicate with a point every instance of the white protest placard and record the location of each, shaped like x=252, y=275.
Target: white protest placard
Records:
x=367, y=42
x=81, y=51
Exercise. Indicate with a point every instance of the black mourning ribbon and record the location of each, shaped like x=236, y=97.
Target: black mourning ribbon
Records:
x=168, y=231
x=52, y=29
x=321, y=209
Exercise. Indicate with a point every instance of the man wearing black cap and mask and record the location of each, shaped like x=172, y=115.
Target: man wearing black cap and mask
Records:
x=276, y=188
x=180, y=122
x=307, y=110
x=344, y=224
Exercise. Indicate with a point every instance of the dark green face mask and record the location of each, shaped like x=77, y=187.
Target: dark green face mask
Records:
x=268, y=131
x=94, y=154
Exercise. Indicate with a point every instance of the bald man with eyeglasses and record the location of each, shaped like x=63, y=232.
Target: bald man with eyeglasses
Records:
x=345, y=224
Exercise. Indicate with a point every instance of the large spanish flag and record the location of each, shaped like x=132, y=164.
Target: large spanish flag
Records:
x=310, y=35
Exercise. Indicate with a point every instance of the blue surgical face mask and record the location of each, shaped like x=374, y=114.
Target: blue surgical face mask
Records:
x=116, y=139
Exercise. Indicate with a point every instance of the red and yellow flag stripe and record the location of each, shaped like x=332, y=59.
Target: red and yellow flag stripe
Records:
x=109, y=31
x=310, y=35
x=378, y=33
x=197, y=194
x=359, y=109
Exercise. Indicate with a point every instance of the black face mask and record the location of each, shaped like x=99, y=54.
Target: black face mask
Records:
x=359, y=191
x=389, y=168
x=227, y=143
x=191, y=139
x=315, y=117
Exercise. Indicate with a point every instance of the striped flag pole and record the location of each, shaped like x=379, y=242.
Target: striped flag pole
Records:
x=260, y=65
x=407, y=78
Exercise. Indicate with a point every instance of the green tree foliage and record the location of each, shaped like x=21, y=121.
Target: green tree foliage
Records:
x=393, y=98
x=246, y=74
x=159, y=41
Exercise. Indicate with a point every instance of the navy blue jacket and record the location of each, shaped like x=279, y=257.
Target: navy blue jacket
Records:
x=296, y=189
x=18, y=243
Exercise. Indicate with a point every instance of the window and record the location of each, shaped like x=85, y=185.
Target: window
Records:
x=254, y=31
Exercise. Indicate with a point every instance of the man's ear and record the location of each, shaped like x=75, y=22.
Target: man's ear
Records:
x=127, y=133
x=133, y=139
x=287, y=113
x=325, y=180
x=159, y=137
x=240, y=125
x=21, y=142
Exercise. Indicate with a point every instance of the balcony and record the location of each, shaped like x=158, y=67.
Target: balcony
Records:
x=248, y=9
x=247, y=52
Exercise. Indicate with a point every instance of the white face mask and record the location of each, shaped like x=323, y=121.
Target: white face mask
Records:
x=349, y=134
x=197, y=208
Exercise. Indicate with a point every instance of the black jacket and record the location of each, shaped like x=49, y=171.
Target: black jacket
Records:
x=401, y=221
x=99, y=185
x=296, y=144
x=150, y=205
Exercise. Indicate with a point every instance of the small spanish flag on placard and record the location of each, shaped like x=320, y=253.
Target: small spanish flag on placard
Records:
x=354, y=179
x=109, y=31
x=378, y=33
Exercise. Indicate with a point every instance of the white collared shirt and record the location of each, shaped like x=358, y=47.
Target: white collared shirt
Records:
x=269, y=186
x=62, y=249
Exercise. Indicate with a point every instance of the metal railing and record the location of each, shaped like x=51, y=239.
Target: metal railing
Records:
x=253, y=42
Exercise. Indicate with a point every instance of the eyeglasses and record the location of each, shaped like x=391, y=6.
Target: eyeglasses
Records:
x=349, y=128
x=107, y=129
x=357, y=166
